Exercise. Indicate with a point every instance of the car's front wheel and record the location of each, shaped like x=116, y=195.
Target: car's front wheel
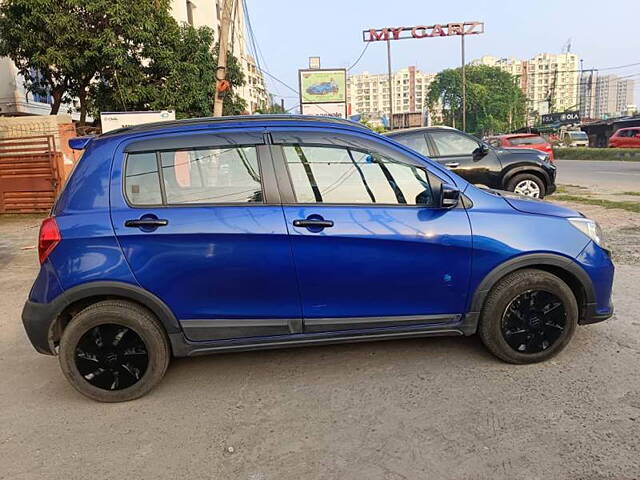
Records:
x=114, y=351
x=527, y=184
x=529, y=316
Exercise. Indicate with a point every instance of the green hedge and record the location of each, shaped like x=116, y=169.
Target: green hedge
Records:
x=582, y=153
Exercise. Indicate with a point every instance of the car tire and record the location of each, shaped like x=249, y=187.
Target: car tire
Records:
x=114, y=351
x=525, y=182
x=518, y=337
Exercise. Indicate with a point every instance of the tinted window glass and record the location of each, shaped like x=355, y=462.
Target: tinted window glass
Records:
x=453, y=143
x=527, y=140
x=212, y=175
x=340, y=175
x=416, y=141
x=142, y=182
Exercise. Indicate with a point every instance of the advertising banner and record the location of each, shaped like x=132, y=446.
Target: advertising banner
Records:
x=323, y=86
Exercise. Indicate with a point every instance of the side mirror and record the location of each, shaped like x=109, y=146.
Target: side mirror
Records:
x=480, y=152
x=449, y=196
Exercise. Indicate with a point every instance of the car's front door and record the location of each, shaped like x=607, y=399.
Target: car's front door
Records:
x=199, y=220
x=460, y=153
x=371, y=248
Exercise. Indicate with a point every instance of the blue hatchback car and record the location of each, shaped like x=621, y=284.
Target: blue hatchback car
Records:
x=215, y=235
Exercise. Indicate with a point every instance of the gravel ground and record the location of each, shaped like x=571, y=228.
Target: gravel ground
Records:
x=439, y=408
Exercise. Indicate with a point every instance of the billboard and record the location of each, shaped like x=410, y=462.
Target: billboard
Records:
x=114, y=120
x=323, y=86
x=565, y=118
x=337, y=109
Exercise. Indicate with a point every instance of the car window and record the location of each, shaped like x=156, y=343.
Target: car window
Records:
x=415, y=141
x=494, y=142
x=323, y=174
x=453, y=143
x=534, y=140
x=202, y=175
x=142, y=181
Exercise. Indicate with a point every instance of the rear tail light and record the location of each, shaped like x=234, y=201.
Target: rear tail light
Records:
x=48, y=239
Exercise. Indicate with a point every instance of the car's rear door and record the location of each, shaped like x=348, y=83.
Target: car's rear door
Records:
x=199, y=220
x=371, y=249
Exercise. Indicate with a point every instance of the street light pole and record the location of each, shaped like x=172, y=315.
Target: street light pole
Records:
x=390, y=85
x=464, y=89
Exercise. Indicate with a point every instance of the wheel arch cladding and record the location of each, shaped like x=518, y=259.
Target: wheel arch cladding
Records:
x=564, y=268
x=526, y=170
x=80, y=297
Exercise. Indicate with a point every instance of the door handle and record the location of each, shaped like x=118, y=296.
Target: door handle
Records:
x=452, y=164
x=313, y=223
x=146, y=223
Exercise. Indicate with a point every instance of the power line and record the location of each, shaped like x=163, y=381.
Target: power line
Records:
x=361, y=55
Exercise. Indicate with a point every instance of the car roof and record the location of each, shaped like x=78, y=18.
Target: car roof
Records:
x=234, y=119
x=515, y=135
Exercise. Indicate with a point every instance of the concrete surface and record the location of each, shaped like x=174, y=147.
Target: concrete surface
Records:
x=439, y=408
x=605, y=176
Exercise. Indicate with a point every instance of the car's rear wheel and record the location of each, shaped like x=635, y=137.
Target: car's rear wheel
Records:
x=527, y=184
x=114, y=351
x=529, y=316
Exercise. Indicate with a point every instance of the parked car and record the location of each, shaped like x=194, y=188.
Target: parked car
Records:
x=625, y=138
x=524, y=171
x=238, y=233
x=521, y=140
x=575, y=138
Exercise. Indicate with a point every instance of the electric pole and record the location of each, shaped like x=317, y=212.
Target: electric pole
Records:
x=221, y=72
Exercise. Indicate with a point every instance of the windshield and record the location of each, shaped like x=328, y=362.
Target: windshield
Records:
x=533, y=140
x=578, y=135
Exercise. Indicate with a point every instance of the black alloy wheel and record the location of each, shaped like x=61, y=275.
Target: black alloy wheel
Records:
x=111, y=357
x=533, y=321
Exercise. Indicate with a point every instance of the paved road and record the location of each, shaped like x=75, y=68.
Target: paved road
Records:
x=439, y=408
x=605, y=176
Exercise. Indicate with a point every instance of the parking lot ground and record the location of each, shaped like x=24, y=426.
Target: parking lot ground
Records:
x=439, y=408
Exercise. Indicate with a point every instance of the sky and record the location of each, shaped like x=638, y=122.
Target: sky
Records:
x=288, y=32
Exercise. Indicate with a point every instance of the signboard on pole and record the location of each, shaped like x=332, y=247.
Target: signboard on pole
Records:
x=564, y=118
x=423, y=31
x=114, y=120
x=323, y=92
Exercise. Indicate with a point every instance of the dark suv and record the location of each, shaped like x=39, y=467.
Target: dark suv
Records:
x=219, y=235
x=524, y=171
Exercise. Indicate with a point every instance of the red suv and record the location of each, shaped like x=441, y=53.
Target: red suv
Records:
x=521, y=140
x=625, y=138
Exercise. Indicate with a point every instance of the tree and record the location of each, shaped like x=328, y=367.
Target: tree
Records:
x=114, y=55
x=495, y=103
x=178, y=74
x=62, y=46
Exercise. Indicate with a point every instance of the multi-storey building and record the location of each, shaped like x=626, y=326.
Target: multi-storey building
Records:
x=604, y=96
x=15, y=100
x=368, y=93
x=549, y=81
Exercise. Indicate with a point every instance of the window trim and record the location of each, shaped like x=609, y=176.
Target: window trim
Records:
x=290, y=199
x=165, y=204
x=456, y=155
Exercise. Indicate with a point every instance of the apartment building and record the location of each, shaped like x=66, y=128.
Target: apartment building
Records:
x=549, y=81
x=368, y=93
x=605, y=96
